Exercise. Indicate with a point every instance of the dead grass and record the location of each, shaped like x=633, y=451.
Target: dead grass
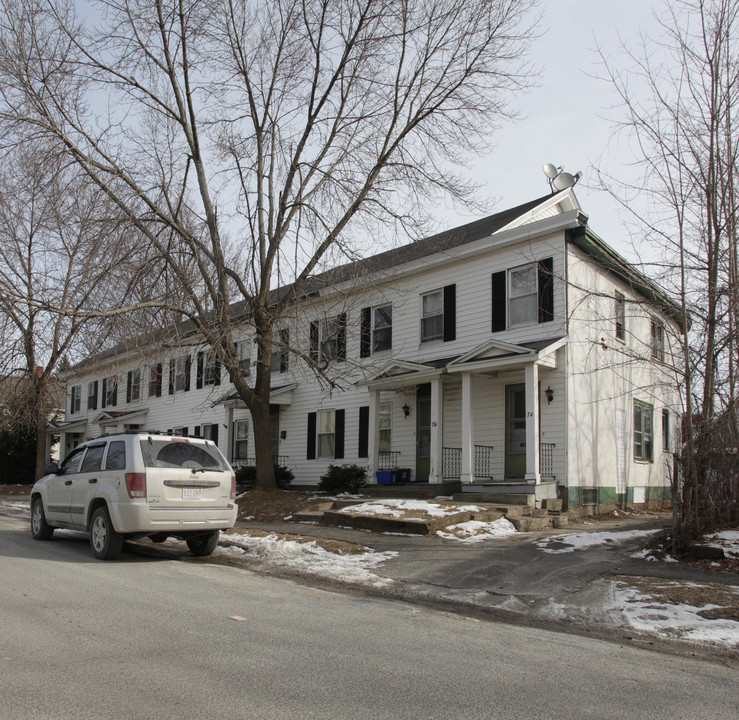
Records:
x=272, y=506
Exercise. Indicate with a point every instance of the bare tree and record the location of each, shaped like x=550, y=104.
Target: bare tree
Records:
x=680, y=97
x=57, y=254
x=252, y=144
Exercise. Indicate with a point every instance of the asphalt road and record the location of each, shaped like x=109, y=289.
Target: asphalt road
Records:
x=152, y=637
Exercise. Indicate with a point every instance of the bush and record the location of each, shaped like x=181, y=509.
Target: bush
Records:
x=247, y=475
x=343, y=478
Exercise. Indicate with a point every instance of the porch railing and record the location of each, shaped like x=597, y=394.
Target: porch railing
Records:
x=388, y=459
x=546, y=460
x=451, y=461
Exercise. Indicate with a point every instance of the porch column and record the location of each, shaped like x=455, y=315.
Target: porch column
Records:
x=467, y=475
x=230, y=432
x=373, y=436
x=436, y=471
x=532, y=423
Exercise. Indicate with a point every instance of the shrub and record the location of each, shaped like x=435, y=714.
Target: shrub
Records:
x=247, y=475
x=343, y=478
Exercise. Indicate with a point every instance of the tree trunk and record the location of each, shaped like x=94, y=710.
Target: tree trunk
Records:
x=41, y=390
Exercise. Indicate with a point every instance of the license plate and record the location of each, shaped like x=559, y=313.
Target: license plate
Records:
x=192, y=492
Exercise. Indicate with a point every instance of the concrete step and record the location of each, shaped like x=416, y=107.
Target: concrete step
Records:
x=308, y=516
x=507, y=499
x=531, y=524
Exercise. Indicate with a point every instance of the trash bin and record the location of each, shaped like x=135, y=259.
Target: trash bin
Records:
x=385, y=477
x=403, y=475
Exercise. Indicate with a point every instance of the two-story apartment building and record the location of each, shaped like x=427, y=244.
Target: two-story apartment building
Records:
x=517, y=351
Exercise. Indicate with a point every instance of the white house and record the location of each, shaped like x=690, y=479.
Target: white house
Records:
x=517, y=352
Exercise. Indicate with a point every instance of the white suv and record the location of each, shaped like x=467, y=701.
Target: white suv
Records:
x=134, y=485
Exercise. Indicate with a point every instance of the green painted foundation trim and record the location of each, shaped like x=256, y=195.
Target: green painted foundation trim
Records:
x=609, y=495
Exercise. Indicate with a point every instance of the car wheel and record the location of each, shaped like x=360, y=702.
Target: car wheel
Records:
x=204, y=544
x=40, y=529
x=105, y=541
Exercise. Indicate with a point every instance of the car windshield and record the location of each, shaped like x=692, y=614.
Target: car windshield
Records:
x=181, y=454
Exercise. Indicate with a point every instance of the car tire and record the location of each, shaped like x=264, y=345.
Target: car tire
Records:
x=40, y=529
x=105, y=541
x=203, y=544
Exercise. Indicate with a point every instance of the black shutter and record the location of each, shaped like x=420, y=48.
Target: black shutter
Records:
x=341, y=337
x=311, y=451
x=365, y=334
x=114, y=393
x=284, y=352
x=450, y=313
x=188, y=368
x=499, y=301
x=199, y=372
x=314, y=341
x=196, y=431
x=363, y=451
x=159, y=379
x=128, y=386
x=214, y=433
x=546, y=290
x=339, y=435
x=171, y=376
x=104, y=399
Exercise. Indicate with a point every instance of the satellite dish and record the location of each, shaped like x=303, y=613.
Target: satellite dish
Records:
x=563, y=181
x=550, y=171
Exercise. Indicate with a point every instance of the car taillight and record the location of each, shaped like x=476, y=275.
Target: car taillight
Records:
x=136, y=485
x=233, y=487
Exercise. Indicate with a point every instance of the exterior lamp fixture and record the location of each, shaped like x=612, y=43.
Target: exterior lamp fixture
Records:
x=406, y=410
x=550, y=395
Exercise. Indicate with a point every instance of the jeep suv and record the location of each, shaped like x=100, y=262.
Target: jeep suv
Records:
x=134, y=485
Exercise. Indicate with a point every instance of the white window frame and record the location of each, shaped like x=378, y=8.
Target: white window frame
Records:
x=155, y=380
x=328, y=343
x=666, y=430
x=244, y=350
x=92, y=392
x=326, y=431
x=432, y=315
x=75, y=400
x=241, y=440
x=657, y=340
x=379, y=330
x=519, y=298
x=643, y=431
x=180, y=374
x=619, y=305
x=385, y=427
x=135, y=390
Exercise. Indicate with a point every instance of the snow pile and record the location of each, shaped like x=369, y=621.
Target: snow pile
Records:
x=477, y=531
x=16, y=508
x=583, y=541
x=728, y=540
x=401, y=508
x=311, y=558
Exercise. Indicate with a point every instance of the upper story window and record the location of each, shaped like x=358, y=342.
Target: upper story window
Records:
x=523, y=295
x=376, y=330
x=155, y=380
x=179, y=374
x=330, y=337
x=243, y=350
x=619, y=306
x=75, y=399
x=133, y=386
x=280, y=361
x=666, y=430
x=643, y=444
x=438, y=314
x=92, y=395
x=658, y=340
x=209, y=369
x=110, y=392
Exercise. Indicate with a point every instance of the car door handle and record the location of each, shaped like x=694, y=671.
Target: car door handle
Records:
x=92, y=480
x=67, y=482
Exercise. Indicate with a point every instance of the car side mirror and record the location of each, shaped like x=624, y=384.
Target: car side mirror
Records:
x=52, y=469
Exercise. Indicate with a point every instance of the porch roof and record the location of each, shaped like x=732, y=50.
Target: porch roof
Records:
x=278, y=395
x=70, y=426
x=495, y=354
x=107, y=417
x=399, y=373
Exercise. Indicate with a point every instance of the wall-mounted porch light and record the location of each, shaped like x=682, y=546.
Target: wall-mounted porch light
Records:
x=550, y=394
x=406, y=410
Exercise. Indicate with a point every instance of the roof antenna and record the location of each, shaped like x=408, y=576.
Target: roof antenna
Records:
x=558, y=179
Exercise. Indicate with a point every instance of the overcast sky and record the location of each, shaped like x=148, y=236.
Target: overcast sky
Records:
x=563, y=119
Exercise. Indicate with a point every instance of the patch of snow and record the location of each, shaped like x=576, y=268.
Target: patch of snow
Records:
x=582, y=541
x=477, y=531
x=16, y=508
x=398, y=508
x=728, y=540
x=311, y=558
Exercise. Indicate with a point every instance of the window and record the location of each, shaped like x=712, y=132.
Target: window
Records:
x=71, y=463
x=666, y=430
x=620, y=312
x=92, y=395
x=93, y=458
x=326, y=433
x=110, y=391
x=376, y=331
x=75, y=400
x=280, y=354
x=241, y=439
x=133, y=386
x=155, y=380
x=179, y=375
x=243, y=348
x=658, y=340
x=432, y=316
x=210, y=432
x=589, y=496
x=116, y=459
x=180, y=431
x=523, y=295
x=385, y=418
x=330, y=337
x=642, y=431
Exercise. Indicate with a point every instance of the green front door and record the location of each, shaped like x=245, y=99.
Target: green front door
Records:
x=515, y=431
x=423, y=432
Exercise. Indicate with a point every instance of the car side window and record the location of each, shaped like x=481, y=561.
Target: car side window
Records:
x=116, y=459
x=93, y=459
x=71, y=463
